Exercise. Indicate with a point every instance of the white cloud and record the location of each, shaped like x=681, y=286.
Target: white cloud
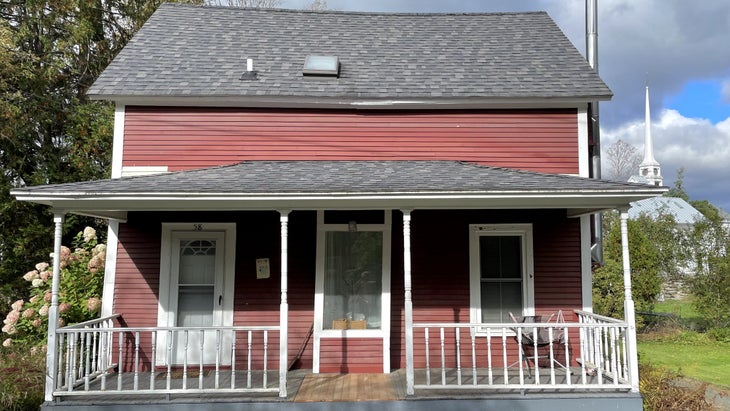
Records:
x=726, y=91
x=702, y=148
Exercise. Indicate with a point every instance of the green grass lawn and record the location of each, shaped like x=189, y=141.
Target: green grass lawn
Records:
x=707, y=361
x=688, y=353
x=680, y=308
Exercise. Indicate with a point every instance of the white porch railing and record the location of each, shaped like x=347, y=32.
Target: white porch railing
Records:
x=591, y=354
x=95, y=357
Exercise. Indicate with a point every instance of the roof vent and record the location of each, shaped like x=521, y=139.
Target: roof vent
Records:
x=321, y=66
x=250, y=73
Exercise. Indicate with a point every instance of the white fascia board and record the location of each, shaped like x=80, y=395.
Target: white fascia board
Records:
x=352, y=103
x=138, y=202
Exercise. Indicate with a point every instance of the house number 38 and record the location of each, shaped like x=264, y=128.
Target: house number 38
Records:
x=198, y=227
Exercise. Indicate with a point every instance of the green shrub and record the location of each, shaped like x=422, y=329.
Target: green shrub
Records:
x=720, y=334
x=661, y=392
x=81, y=282
x=21, y=378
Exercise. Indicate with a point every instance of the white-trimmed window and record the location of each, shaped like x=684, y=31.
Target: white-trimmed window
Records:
x=501, y=272
x=352, y=288
x=353, y=274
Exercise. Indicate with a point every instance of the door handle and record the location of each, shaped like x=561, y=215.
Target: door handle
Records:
x=220, y=299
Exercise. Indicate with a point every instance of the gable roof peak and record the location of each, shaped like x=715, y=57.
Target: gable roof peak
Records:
x=198, y=53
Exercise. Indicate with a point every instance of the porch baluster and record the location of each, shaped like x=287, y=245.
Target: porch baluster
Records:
x=443, y=357
x=568, y=376
x=59, y=357
x=248, y=369
x=428, y=360
x=217, y=358
x=457, y=331
x=505, y=375
x=489, y=356
x=202, y=356
x=136, y=360
x=153, y=355
x=104, y=337
x=119, y=361
x=89, y=356
x=472, y=331
x=233, y=360
x=625, y=356
x=584, y=335
x=520, y=358
x=71, y=362
x=266, y=352
x=551, y=356
x=535, y=365
x=598, y=353
x=614, y=355
x=185, y=360
x=168, y=377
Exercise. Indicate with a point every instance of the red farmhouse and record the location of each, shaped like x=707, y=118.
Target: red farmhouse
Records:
x=396, y=203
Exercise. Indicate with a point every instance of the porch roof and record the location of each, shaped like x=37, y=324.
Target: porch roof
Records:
x=257, y=185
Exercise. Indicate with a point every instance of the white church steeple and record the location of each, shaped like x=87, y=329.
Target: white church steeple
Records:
x=649, y=168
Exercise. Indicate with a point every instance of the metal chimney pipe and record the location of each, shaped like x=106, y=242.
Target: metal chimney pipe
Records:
x=592, y=58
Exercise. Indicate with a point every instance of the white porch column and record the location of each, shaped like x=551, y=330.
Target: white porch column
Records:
x=629, y=313
x=58, y=218
x=284, y=307
x=408, y=300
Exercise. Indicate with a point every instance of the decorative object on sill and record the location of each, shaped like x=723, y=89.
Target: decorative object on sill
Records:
x=345, y=324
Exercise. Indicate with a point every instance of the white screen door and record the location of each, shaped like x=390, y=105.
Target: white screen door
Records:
x=197, y=297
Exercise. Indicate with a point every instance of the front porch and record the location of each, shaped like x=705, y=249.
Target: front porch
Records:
x=106, y=365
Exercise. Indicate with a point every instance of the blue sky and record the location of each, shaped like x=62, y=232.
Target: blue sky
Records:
x=701, y=99
x=680, y=46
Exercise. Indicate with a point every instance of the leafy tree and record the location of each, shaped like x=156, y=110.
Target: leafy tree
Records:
x=608, y=284
x=50, y=54
x=710, y=283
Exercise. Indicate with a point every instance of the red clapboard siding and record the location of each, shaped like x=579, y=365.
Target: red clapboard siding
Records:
x=440, y=275
x=138, y=274
x=440, y=278
x=351, y=355
x=184, y=138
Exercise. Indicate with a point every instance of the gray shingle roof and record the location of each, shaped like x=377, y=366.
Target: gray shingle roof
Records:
x=193, y=51
x=347, y=177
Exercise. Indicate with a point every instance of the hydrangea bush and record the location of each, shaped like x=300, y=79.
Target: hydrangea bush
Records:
x=81, y=282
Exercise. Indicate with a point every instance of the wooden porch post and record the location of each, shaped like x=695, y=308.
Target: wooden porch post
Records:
x=408, y=301
x=58, y=218
x=629, y=313
x=284, y=307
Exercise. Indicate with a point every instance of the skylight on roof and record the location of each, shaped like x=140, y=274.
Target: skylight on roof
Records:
x=321, y=65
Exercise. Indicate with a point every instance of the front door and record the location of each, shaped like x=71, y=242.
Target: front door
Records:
x=197, y=297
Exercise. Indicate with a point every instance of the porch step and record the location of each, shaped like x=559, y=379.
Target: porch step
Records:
x=346, y=387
